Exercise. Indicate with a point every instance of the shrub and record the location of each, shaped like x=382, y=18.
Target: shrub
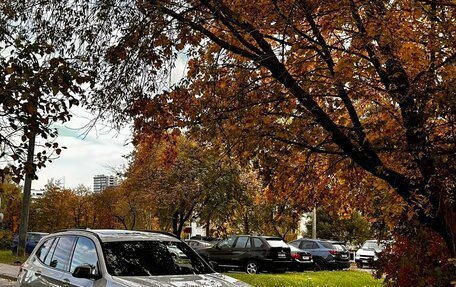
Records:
x=6, y=239
x=419, y=258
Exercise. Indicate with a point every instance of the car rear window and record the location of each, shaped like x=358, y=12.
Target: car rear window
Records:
x=276, y=242
x=339, y=247
x=327, y=245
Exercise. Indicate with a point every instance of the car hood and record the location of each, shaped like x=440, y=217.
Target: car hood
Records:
x=197, y=280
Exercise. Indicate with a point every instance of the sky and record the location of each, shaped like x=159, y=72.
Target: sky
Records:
x=85, y=156
x=98, y=152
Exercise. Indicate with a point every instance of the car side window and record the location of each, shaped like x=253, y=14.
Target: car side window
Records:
x=258, y=243
x=85, y=253
x=308, y=245
x=48, y=259
x=241, y=242
x=227, y=243
x=294, y=243
x=62, y=253
x=43, y=251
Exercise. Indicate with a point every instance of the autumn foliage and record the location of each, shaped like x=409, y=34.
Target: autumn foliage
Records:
x=346, y=104
x=416, y=258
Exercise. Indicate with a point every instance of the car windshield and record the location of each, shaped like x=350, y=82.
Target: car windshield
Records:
x=371, y=245
x=152, y=258
x=276, y=242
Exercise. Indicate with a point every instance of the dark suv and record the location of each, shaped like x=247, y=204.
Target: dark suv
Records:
x=117, y=258
x=251, y=253
x=325, y=254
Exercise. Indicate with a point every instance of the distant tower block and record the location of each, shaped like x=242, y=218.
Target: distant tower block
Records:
x=101, y=182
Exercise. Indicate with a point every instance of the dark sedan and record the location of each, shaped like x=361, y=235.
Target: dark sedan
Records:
x=301, y=260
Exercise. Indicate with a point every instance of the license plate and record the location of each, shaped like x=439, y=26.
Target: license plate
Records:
x=281, y=255
x=305, y=258
x=344, y=256
x=365, y=261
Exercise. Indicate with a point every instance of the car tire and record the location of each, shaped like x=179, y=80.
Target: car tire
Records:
x=252, y=267
x=359, y=265
x=319, y=265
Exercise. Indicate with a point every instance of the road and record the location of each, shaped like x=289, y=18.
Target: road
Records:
x=6, y=283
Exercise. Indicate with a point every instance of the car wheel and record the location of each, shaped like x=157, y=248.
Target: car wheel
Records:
x=359, y=265
x=319, y=265
x=252, y=268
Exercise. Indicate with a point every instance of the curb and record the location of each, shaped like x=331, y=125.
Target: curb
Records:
x=8, y=277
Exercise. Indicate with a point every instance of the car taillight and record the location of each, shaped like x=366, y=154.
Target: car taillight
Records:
x=295, y=256
x=333, y=252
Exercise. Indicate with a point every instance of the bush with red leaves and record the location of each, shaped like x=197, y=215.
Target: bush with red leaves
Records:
x=418, y=258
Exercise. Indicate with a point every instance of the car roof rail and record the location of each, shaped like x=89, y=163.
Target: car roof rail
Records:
x=74, y=229
x=160, y=232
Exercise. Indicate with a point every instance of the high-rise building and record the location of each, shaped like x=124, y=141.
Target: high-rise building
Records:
x=101, y=182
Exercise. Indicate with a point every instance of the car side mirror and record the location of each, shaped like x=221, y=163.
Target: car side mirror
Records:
x=85, y=271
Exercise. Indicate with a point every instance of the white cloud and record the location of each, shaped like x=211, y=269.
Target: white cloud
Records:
x=95, y=153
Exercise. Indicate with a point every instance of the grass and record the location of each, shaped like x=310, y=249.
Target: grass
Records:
x=310, y=279
x=7, y=257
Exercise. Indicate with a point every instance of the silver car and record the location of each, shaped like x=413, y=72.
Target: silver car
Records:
x=117, y=258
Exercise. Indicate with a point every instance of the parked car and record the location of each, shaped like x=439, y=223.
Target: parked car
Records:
x=117, y=258
x=324, y=254
x=32, y=240
x=199, y=244
x=301, y=260
x=253, y=254
x=367, y=255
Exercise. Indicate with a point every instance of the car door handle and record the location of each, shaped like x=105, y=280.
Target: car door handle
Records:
x=38, y=273
x=66, y=282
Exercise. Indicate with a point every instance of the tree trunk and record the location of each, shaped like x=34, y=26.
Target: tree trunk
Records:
x=445, y=220
x=174, y=222
x=25, y=209
x=208, y=229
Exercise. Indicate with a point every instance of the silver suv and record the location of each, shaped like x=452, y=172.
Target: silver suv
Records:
x=117, y=258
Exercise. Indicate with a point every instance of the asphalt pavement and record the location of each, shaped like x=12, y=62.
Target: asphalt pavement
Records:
x=9, y=272
x=6, y=283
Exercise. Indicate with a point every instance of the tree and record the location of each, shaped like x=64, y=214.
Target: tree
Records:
x=354, y=230
x=38, y=88
x=366, y=84
x=181, y=180
x=319, y=77
x=10, y=204
x=53, y=211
